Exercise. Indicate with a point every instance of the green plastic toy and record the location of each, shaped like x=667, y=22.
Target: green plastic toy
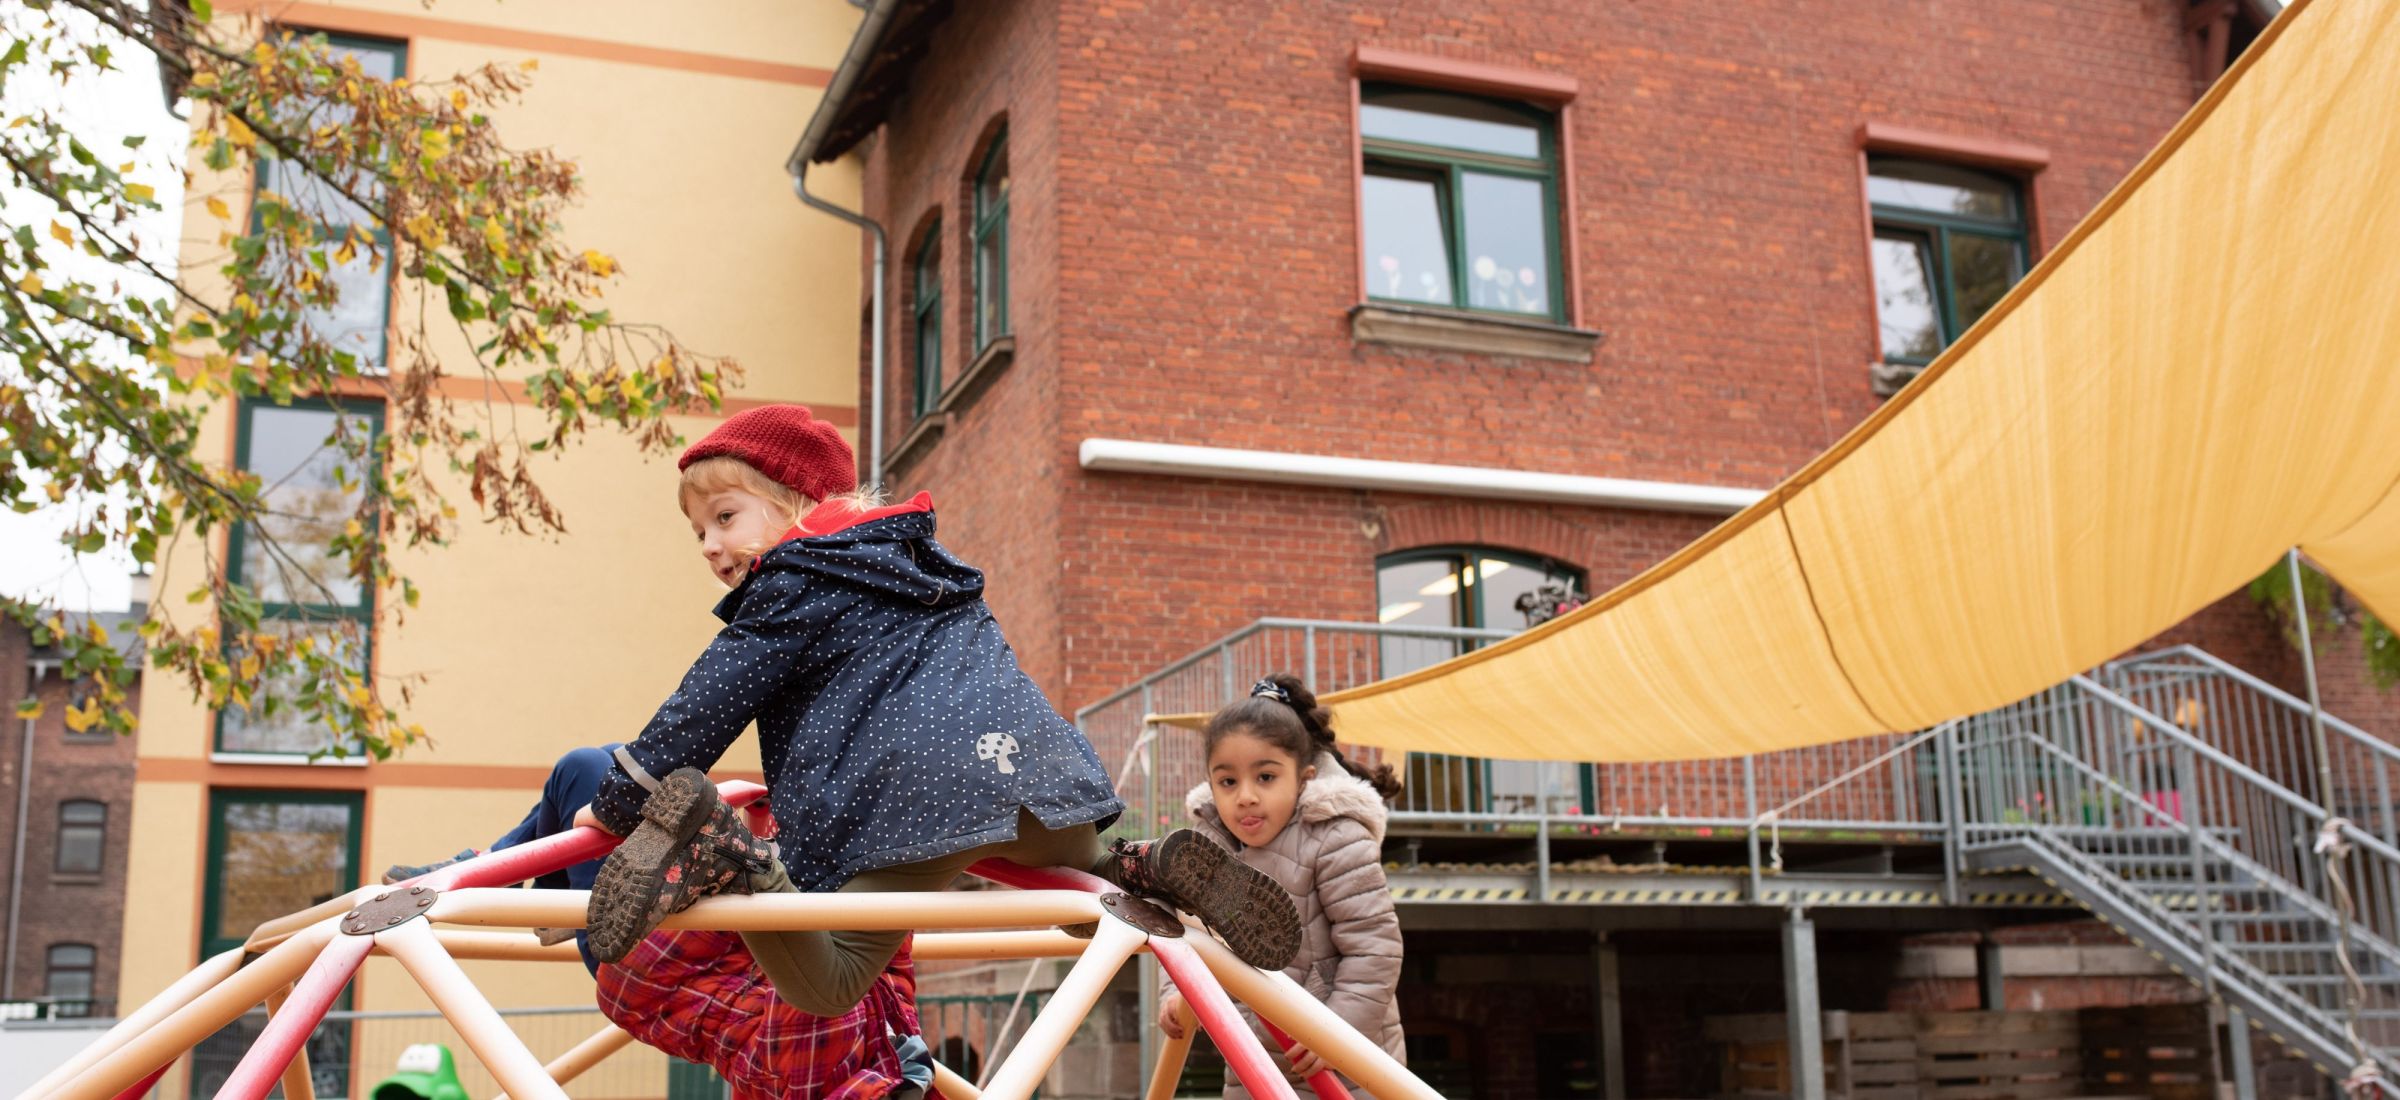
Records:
x=425, y=1072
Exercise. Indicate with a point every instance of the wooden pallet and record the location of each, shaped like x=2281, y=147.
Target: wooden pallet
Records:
x=2160, y=1052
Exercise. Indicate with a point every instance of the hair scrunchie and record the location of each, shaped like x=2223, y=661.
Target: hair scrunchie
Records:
x=1269, y=689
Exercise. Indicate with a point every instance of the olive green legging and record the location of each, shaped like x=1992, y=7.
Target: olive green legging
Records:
x=825, y=973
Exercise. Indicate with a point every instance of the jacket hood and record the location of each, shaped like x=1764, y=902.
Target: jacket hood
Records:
x=1333, y=793
x=885, y=550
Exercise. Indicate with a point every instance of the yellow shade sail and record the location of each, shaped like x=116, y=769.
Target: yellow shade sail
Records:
x=2204, y=374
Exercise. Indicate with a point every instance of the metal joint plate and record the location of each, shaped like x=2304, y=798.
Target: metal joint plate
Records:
x=1148, y=916
x=388, y=910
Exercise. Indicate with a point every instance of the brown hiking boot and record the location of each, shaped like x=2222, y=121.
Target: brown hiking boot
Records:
x=1245, y=908
x=690, y=845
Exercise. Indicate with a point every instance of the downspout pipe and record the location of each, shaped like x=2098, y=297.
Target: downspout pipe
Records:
x=875, y=326
x=40, y=670
x=854, y=61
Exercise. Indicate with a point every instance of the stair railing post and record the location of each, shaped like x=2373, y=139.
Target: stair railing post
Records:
x=2308, y=668
x=1954, y=815
x=2195, y=826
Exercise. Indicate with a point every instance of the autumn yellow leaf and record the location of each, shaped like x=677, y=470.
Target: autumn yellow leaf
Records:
x=495, y=237
x=458, y=98
x=125, y=167
x=140, y=192
x=351, y=529
x=601, y=263
x=664, y=368
x=241, y=303
x=57, y=491
x=64, y=234
x=436, y=143
x=218, y=209
x=592, y=394
x=204, y=80
x=238, y=132
x=30, y=284
x=360, y=696
x=30, y=709
x=250, y=667
x=630, y=388
x=80, y=719
x=344, y=254
x=530, y=64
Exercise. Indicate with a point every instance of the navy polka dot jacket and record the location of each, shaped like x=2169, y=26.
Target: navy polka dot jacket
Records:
x=894, y=723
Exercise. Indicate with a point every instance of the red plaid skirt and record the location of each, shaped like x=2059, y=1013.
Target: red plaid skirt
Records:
x=700, y=997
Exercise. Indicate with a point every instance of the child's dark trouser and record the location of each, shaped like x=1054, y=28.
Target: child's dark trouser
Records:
x=825, y=973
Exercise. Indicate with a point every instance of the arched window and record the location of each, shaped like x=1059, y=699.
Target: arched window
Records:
x=82, y=837
x=925, y=290
x=1487, y=589
x=991, y=245
x=68, y=975
x=1459, y=202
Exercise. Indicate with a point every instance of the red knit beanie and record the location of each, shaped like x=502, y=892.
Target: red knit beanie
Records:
x=788, y=445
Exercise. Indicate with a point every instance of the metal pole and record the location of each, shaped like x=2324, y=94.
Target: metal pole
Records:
x=1750, y=811
x=1954, y=816
x=875, y=339
x=2203, y=899
x=1804, y=1030
x=2308, y=667
x=2237, y=1042
x=1610, y=1002
x=37, y=671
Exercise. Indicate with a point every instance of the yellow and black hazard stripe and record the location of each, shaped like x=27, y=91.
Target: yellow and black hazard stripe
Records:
x=2020, y=897
x=1616, y=896
x=1860, y=897
x=1458, y=893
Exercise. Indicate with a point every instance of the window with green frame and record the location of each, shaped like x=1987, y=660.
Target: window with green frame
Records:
x=991, y=245
x=1471, y=586
x=925, y=294
x=356, y=324
x=271, y=853
x=310, y=492
x=1949, y=242
x=1459, y=202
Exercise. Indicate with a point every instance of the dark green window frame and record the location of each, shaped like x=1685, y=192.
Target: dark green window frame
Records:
x=1447, y=168
x=991, y=229
x=215, y=939
x=380, y=362
x=80, y=818
x=1936, y=232
x=1480, y=787
x=925, y=295
x=361, y=612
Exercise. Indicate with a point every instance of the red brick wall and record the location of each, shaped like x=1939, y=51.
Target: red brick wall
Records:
x=60, y=909
x=997, y=475
x=1184, y=253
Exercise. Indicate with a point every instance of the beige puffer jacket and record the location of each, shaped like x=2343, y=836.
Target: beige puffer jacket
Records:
x=1330, y=859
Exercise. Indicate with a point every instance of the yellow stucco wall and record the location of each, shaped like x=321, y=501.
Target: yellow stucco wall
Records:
x=680, y=119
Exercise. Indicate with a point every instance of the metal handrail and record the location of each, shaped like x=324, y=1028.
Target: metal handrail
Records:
x=1442, y=633
x=2298, y=706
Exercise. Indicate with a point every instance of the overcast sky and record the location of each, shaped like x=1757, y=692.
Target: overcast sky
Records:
x=103, y=109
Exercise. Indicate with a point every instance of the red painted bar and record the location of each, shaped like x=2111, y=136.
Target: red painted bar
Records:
x=1235, y=1040
x=1326, y=1083
x=142, y=1088
x=262, y=1066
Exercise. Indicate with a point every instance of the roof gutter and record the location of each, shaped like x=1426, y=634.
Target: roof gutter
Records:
x=854, y=61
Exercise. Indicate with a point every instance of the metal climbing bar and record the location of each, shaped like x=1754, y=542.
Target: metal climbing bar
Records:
x=299, y=963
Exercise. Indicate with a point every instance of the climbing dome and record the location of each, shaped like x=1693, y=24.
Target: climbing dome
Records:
x=298, y=964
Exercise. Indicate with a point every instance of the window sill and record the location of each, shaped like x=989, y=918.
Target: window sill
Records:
x=89, y=739
x=916, y=444
x=1888, y=378
x=75, y=880
x=287, y=759
x=1451, y=330
x=988, y=366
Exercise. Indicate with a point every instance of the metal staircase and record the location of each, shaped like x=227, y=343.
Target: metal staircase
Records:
x=2163, y=792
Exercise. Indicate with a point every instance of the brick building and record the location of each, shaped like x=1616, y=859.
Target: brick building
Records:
x=62, y=900
x=1192, y=322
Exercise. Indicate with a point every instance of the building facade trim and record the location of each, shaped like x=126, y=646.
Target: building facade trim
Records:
x=1184, y=460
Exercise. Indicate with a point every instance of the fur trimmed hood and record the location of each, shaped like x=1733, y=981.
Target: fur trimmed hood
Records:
x=1334, y=793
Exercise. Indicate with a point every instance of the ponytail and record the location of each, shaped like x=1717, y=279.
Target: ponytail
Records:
x=1284, y=713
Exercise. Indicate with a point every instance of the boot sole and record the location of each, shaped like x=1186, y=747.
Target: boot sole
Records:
x=630, y=879
x=1245, y=908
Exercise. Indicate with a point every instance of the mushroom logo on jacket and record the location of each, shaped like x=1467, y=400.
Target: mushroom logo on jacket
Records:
x=997, y=747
